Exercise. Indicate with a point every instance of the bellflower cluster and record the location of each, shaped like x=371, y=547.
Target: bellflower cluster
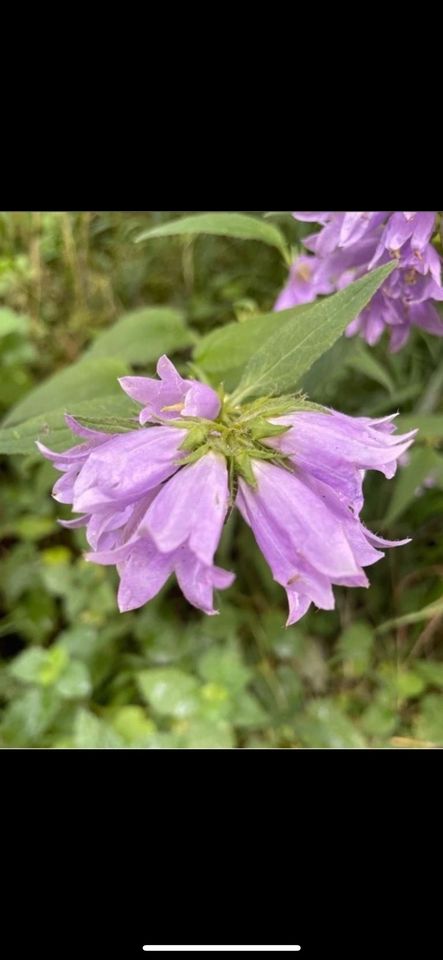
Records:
x=153, y=500
x=349, y=245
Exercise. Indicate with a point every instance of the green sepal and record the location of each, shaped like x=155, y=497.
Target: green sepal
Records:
x=262, y=428
x=266, y=407
x=185, y=423
x=195, y=455
x=243, y=466
x=195, y=437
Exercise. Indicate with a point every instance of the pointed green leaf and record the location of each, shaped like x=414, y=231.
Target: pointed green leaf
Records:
x=169, y=691
x=424, y=462
x=434, y=609
x=225, y=351
x=222, y=224
x=142, y=336
x=12, y=322
x=280, y=362
x=51, y=429
x=86, y=380
x=362, y=360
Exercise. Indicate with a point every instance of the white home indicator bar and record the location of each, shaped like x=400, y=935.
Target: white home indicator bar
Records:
x=243, y=948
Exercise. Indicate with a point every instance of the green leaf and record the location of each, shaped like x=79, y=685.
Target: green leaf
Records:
x=30, y=527
x=432, y=392
x=142, y=336
x=429, y=724
x=323, y=380
x=74, y=683
x=224, y=352
x=86, y=380
x=27, y=718
x=110, y=424
x=431, y=671
x=381, y=717
x=133, y=725
x=281, y=361
x=362, y=360
x=237, y=225
x=434, y=609
x=27, y=665
x=407, y=684
x=423, y=462
x=12, y=322
x=355, y=649
x=80, y=641
x=39, y=666
x=92, y=732
x=51, y=428
x=223, y=665
x=323, y=724
x=56, y=662
x=203, y=734
x=169, y=691
x=248, y=712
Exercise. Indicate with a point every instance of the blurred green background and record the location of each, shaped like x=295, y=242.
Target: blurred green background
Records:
x=76, y=673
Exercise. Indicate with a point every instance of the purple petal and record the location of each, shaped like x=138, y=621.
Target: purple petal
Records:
x=63, y=490
x=191, y=508
x=197, y=581
x=313, y=217
x=87, y=432
x=142, y=575
x=298, y=606
x=423, y=224
x=299, y=513
x=74, y=524
x=330, y=444
x=201, y=401
x=171, y=396
x=127, y=467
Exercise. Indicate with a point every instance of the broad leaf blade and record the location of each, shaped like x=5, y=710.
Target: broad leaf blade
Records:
x=12, y=322
x=434, y=609
x=142, y=336
x=362, y=360
x=282, y=360
x=51, y=428
x=237, y=225
x=226, y=350
x=86, y=380
x=424, y=463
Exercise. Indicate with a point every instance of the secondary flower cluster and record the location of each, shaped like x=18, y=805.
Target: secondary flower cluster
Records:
x=349, y=245
x=154, y=500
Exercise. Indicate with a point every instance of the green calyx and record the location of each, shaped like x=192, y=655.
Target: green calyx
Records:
x=239, y=434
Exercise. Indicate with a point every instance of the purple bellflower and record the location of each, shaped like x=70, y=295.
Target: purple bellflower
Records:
x=306, y=519
x=350, y=244
x=153, y=501
x=171, y=395
x=134, y=520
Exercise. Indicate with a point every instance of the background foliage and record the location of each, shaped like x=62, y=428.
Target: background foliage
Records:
x=76, y=673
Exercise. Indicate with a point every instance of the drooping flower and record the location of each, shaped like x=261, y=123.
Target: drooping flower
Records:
x=350, y=244
x=153, y=501
x=306, y=519
x=337, y=449
x=144, y=570
x=177, y=531
x=134, y=519
x=306, y=280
